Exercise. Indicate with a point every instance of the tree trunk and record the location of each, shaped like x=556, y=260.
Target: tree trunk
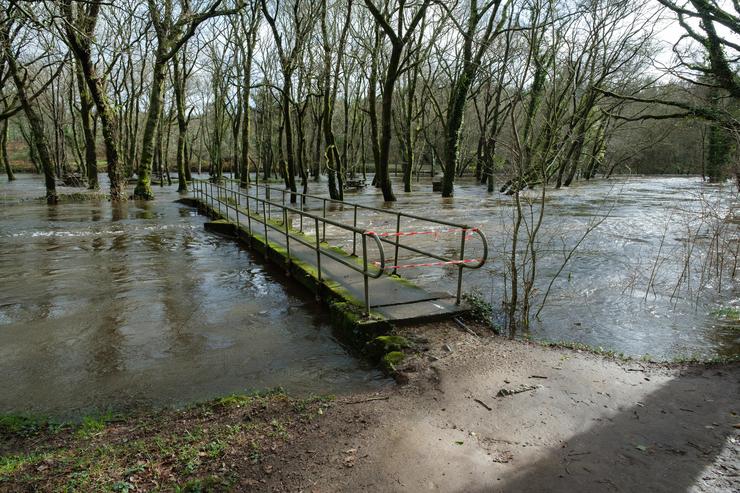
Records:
x=719, y=153
x=372, y=103
x=4, y=150
x=452, y=130
x=143, y=188
x=288, y=129
x=80, y=45
x=182, y=125
x=37, y=134
x=246, y=111
x=384, y=179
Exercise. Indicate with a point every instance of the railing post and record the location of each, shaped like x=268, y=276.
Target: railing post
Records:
x=236, y=210
x=218, y=197
x=264, y=219
x=323, y=233
x=249, y=219
x=398, y=239
x=460, y=267
x=354, y=233
x=318, y=248
x=287, y=238
x=300, y=227
x=364, y=275
x=225, y=200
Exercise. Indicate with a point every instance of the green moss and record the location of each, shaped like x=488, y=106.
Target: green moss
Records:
x=481, y=311
x=76, y=197
x=342, y=293
x=392, y=359
x=578, y=346
x=324, y=401
x=93, y=424
x=233, y=400
x=647, y=358
x=392, y=342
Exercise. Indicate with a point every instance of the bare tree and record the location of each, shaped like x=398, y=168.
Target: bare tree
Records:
x=399, y=38
x=174, y=23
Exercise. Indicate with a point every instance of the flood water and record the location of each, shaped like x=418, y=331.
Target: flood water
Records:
x=114, y=307
x=620, y=289
x=135, y=305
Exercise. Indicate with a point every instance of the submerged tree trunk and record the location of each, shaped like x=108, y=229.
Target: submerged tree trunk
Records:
x=4, y=150
x=79, y=39
x=86, y=103
x=247, y=81
x=36, y=125
x=178, y=76
x=719, y=153
x=143, y=188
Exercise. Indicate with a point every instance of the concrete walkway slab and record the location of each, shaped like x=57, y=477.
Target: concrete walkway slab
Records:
x=394, y=299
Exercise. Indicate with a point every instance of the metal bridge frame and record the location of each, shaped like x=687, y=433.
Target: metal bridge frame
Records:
x=230, y=197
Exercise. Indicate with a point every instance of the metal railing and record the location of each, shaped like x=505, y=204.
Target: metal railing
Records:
x=230, y=200
x=460, y=261
x=232, y=203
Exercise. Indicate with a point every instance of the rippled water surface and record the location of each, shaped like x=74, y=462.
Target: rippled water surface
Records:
x=107, y=306
x=620, y=289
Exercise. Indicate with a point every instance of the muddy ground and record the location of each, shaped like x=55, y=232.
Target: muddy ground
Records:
x=474, y=413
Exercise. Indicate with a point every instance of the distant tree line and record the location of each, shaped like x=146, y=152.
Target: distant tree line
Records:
x=516, y=92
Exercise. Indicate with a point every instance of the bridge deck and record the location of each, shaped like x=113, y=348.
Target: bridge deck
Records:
x=396, y=300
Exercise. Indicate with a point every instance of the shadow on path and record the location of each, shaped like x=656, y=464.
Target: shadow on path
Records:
x=680, y=438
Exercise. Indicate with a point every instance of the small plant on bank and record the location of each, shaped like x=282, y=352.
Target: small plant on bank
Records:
x=481, y=311
x=728, y=314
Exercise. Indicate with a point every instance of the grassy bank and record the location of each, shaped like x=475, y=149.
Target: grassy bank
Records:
x=222, y=445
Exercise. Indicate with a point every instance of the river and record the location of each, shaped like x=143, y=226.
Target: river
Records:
x=135, y=305
x=114, y=306
x=620, y=289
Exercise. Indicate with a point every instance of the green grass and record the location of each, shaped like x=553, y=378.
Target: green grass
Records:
x=204, y=447
x=727, y=313
x=647, y=358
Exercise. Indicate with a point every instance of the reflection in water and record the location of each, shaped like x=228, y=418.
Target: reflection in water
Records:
x=140, y=306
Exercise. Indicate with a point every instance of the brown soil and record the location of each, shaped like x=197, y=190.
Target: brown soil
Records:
x=590, y=424
x=581, y=422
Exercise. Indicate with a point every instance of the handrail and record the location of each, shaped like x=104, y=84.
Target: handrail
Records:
x=234, y=186
x=359, y=206
x=396, y=243
x=375, y=273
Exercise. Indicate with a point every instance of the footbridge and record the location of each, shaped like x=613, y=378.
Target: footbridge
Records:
x=350, y=252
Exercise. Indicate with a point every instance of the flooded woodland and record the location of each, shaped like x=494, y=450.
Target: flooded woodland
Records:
x=118, y=306
x=364, y=245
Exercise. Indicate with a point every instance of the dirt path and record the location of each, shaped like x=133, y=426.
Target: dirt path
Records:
x=589, y=424
x=477, y=415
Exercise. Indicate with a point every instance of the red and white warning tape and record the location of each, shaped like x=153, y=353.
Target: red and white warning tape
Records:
x=430, y=264
x=435, y=232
